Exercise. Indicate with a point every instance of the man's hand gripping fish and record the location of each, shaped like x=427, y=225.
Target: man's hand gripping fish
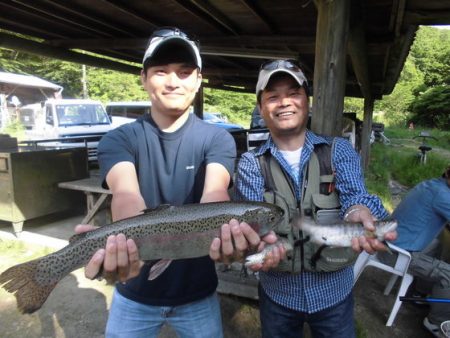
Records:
x=166, y=232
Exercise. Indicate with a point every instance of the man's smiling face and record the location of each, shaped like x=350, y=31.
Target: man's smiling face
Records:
x=171, y=87
x=284, y=105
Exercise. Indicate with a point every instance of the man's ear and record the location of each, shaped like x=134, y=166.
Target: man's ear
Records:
x=199, y=81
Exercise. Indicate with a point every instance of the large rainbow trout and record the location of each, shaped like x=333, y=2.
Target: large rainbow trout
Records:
x=167, y=232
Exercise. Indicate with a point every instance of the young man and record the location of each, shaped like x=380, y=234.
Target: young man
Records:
x=422, y=215
x=167, y=157
x=322, y=299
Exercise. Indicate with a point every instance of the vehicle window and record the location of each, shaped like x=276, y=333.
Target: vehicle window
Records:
x=81, y=114
x=117, y=110
x=135, y=112
x=48, y=115
x=128, y=111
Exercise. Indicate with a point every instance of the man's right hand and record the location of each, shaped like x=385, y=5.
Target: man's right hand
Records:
x=118, y=261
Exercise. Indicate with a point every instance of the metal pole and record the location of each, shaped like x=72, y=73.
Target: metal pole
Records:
x=427, y=300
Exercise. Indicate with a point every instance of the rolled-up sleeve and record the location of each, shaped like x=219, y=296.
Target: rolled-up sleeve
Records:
x=350, y=180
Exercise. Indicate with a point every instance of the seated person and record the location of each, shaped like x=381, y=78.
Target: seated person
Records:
x=422, y=215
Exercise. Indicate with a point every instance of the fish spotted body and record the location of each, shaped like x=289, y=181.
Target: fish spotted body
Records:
x=167, y=232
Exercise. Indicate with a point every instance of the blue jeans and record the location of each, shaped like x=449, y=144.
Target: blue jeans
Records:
x=281, y=322
x=129, y=319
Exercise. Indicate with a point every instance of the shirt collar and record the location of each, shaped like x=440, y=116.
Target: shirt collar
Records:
x=310, y=141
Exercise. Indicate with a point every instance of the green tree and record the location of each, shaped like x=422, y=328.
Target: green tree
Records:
x=107, y=85
x=396, y=105
x=432, y=109
x=66, y=74
x=430, y=53
x=236, y=106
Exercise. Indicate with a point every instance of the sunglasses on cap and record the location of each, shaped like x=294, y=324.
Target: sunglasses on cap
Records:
x=165, y=32
x=281, y=64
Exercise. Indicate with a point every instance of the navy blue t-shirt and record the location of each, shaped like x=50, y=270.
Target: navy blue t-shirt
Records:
x=171, y=170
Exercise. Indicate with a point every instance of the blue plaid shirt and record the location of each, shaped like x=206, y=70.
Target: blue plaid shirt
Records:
x=309, y=291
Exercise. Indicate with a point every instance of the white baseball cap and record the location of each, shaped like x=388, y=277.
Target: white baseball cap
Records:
x=272, y=67
x=171, y=37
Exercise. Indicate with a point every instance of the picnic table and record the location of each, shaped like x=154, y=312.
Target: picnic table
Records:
x=95, y=194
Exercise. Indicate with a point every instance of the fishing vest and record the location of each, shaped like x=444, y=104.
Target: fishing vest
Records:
x=319, y=201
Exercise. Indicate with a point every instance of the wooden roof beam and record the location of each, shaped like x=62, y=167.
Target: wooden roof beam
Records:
x=25, y=28
x=29, y=46
x=20, y=17
x=418, y=17
x=246, y=89
x=249, y=40
x=254, y=53
x=252, y=6
x=72, y=16
x=249, y=53
x=119, y=5
x=204, y=11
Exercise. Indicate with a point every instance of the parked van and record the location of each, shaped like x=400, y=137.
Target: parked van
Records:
x=71, y=122
x=127, y=111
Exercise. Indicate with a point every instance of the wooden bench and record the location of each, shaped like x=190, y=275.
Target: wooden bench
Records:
x=95, y=194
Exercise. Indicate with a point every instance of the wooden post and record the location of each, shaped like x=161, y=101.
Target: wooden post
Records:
x=366, y=131
x=329, y=67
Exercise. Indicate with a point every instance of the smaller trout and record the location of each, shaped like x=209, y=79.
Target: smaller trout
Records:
x=341, y=234
x=337, y=235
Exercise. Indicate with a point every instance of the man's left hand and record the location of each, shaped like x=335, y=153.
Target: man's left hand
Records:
x=363, y=215
x=236, y=240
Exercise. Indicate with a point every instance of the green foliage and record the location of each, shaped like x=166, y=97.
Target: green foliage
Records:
x=107, y=85
x=65, y=74
x=394, y=107
x=237, y=107
x=432, y=109
x=14, y=129
x=442, y=138
x=355, y=105
x=400, y=162
x=430, y=53
x=377, y=176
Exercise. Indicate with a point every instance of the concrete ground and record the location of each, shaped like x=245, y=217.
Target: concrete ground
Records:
x=78, y=307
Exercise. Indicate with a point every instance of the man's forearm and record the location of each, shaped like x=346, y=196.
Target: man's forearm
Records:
x=124, y=205
x=215, y=196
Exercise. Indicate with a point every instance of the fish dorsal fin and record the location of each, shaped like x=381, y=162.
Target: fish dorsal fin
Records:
x=77, y=237
x=158, y=268
x=158, y=208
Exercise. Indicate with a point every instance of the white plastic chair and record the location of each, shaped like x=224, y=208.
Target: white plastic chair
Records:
x=398, y=270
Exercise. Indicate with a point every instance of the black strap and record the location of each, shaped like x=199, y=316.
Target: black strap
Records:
x=317, y=255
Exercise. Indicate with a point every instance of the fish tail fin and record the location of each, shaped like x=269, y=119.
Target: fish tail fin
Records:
x=29, y=293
